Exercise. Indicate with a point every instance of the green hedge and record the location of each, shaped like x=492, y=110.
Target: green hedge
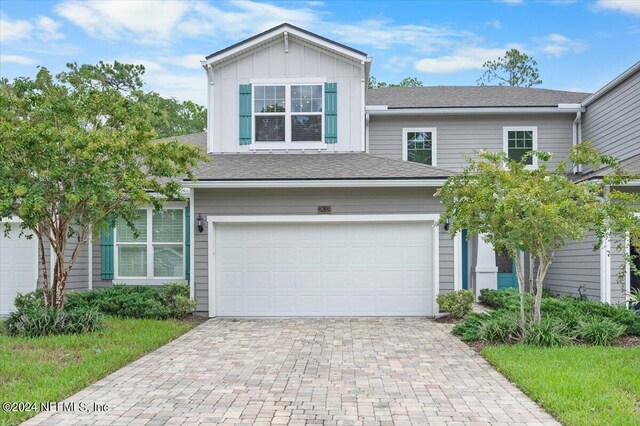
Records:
x=564, y=321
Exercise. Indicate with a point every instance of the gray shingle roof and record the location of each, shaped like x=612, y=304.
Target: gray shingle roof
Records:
x=631, y=165
x=470, y=96
x=224, y=167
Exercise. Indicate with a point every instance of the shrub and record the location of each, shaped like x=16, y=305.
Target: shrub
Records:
x=548, y=332
x=458, y=303
x=599, y=331
x=500, y=299
x=501, y=328
x=40, y=321
x=176, y=297
x=469, y=330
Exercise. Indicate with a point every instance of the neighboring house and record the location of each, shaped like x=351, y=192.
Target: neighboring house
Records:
x=319, y=197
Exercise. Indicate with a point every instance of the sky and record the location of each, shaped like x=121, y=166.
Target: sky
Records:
x=579, y=45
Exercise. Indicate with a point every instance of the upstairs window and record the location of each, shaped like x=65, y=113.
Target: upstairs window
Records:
x=518, y=141
x=288, y=113
x=419, y=145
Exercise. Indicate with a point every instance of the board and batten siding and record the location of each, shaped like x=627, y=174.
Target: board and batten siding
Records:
x=612, y=122
x=305, y=201
x=574, y=265
x=302, y=61
x=459, y=137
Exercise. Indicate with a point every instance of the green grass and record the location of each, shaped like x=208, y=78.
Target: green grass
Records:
x=52, y=368
x=579, y=385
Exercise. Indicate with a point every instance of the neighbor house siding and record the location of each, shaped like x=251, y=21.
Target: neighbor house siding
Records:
x=305, y=201
x=612, y=122
x=272, y=62
x=574, y=265
x=459, y=137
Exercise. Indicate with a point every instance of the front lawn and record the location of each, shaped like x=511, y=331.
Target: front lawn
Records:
x=579, y=385
x=51, y=368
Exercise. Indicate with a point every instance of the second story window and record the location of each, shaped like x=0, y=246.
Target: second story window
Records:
x=419, y=145
x=288, y=113
x=520, y=140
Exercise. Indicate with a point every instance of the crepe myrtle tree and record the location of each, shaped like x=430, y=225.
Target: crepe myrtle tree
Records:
x=537, y=211
x=77, y=152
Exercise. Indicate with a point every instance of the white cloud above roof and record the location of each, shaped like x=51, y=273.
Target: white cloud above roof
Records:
x=630, y=7
x=17, y=59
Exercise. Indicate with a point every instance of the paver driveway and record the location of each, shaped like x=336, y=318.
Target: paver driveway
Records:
x=308, y=371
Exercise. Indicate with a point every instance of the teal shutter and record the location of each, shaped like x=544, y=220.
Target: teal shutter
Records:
x=245, y=114
x=187, y=243
x=106, y=253
x=331, y=113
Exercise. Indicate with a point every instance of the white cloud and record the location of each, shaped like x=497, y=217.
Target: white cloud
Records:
x=191, y=60
x=510, y=1
x=42, y=28
x=183, y=87
x=557, y=45
x=494, y=23
x=17, y=59
x=460, y=60
x=631, y=7
x=139, y=21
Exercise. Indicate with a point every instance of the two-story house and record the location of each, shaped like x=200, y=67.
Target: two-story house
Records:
x=319, y=199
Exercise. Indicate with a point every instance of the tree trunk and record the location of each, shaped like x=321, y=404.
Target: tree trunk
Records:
x=45, y=274
x=545, y=263
x=521, y=289
x=532, y=284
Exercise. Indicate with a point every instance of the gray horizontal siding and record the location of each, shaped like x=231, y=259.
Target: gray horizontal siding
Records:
x=576, y=264
x=305, y=201
x=78, y=278
x=612, y=122
x=459, y=137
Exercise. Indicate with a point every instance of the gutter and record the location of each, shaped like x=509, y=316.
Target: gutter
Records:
x=319, y=183
x=560, y=109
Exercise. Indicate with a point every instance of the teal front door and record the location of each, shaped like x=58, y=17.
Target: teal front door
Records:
x=507, y=277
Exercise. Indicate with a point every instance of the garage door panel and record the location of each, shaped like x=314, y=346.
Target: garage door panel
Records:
x=346, y=269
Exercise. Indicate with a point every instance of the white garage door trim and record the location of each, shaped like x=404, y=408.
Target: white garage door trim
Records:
x=375, y=218
x=14, y=221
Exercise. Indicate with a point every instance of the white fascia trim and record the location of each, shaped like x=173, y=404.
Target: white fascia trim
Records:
x=612, y=84
x=347, y=183
x=434, y=142
x=605, y=271
x=290, y=31
x=479, y=110
x=341, y=218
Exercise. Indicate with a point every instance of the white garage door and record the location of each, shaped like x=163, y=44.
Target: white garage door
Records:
x=324, y=269
x=18, y=267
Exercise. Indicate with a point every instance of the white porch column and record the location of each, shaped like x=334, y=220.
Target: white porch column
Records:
x=486, y=271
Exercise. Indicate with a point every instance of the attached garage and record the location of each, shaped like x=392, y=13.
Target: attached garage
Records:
x=18, y=266
x=314, y=266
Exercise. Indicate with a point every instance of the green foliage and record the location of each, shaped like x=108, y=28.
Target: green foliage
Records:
x=599, y=331
x=406, y=82
x=501, y=328
x=40, y=321
x=499, y=299
x=127, y=301
x=458, y=303
x=174, y=118
x=513, y=69
x=469, y=329
x=80, y=147
x=546, y=333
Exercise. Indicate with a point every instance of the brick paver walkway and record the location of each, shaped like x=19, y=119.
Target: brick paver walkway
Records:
x=308, y=371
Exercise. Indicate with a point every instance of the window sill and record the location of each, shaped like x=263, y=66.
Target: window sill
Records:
x=148, y=281
x=287, y=146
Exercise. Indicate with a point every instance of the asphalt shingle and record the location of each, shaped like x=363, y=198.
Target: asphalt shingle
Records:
x=470, y=97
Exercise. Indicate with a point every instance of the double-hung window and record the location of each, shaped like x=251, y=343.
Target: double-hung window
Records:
x=158, y=250
x=518, y=141
x=288, y=113
x=419, y=145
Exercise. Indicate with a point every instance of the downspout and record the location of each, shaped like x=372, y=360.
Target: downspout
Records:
x=577, y=136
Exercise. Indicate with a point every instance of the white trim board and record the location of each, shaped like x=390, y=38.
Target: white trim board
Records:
x=320, y=183
x=382, y=110
x=213, y=220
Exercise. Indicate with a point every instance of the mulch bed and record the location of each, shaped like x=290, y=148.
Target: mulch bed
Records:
x=628, y=342
x=194, y=319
